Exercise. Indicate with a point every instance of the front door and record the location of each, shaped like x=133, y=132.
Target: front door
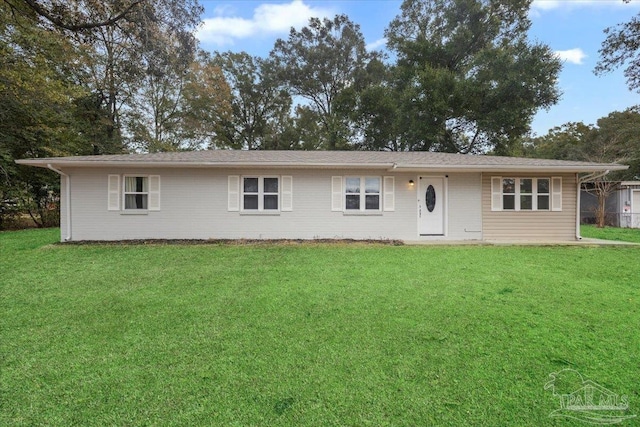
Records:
x=431, y=206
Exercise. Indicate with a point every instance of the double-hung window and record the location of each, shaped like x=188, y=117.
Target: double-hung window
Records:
x=362, y=193
x=133, y=193
x=524, y=194
x=136, y=192
x=260, y=193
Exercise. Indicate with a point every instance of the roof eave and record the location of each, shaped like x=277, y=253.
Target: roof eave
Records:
x=59, y=163
x=513, y=168
x=181, y=164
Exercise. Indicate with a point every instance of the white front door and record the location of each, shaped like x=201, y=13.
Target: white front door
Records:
x=431, y=206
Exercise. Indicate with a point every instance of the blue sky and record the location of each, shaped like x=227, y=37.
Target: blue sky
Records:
x=572, y=28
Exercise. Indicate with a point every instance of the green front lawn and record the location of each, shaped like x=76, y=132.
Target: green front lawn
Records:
x=611, y=233
x=309, y=335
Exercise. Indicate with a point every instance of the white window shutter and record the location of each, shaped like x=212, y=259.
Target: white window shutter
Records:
x=336, y=193
x=286, y=195
x=389, y=201
x=233, y=193
x=113, y=193
x=496, y=193
x=556, y=193
x=154, y=193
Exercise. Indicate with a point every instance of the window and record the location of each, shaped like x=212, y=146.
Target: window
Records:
x=136, y=192
x=521, y=194
x=508, y=194
x=543, y=194
x=362, y=197
x=260, y=193
x=133, y=194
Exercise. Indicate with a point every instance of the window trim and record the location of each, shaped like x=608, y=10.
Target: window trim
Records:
x=125, y=193
x=261, y=193
x=517, y=193
x=362, y=194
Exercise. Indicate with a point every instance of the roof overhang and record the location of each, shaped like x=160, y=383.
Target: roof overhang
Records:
x=46, y=163
x=513, y=168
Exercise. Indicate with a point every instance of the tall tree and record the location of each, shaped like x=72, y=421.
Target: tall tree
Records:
x=261, y=107
x=182, y=100
x=38, y=89
x=206, y=103
x=620, y=48
x=74, y=73
x=317, y=63
x=123, y=54
x=74, y=15
x=373, y=107
x=467, y=75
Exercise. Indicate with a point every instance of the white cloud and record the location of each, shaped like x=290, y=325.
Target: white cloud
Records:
x=267, y=19
x=542, y=5
x=545, y=4
x=376, y=44
x=574, y=56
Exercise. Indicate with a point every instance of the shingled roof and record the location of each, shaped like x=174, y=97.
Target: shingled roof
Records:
x=405, y=161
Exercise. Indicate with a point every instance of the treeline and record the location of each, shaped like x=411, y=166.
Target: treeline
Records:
x=82, y=77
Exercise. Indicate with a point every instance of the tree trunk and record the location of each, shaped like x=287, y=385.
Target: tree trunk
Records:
x=601, y=209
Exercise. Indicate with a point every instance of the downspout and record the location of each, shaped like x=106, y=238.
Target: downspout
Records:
x=67, y=197
x=579, y=182
x=579, y=191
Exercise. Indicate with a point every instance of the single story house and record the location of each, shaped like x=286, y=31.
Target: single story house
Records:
x=410, y=196
x=622, y=206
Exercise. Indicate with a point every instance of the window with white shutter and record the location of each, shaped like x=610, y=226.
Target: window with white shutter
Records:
x=287, y=194
x=113, y=193
x=154, y=192
x=233, y=193
x=389, y=194
x=556, y=193
x=496, y=193
x=526, y=194
x=336, y=193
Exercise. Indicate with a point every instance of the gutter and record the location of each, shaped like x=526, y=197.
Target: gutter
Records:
x=67, y=199
x=579, y=181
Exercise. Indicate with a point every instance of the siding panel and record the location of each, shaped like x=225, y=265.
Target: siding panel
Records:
x=195, y=206
x=528, y=225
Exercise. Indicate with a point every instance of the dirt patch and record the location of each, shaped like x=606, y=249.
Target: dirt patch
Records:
x=233, y=242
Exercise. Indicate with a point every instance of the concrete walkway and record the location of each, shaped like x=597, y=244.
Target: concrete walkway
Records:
x=584, y=242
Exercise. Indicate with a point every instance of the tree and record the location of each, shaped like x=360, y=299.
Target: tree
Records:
x=38, y=89
x=71, y=78
x=565, y=142
x=372, y=108
x=622, y=47
x=206, y=103
x=468, y=78
x=261, y=107
x=122, y=57
x=617, y=139
x=74, y=16
x=614, y=139
x=182, y=100
x=317, y=63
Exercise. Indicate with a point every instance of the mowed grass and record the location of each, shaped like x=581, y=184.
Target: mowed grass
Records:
x=611, y=233
x=308, y=334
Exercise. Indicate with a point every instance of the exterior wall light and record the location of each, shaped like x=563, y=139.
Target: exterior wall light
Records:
x=411, y=183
